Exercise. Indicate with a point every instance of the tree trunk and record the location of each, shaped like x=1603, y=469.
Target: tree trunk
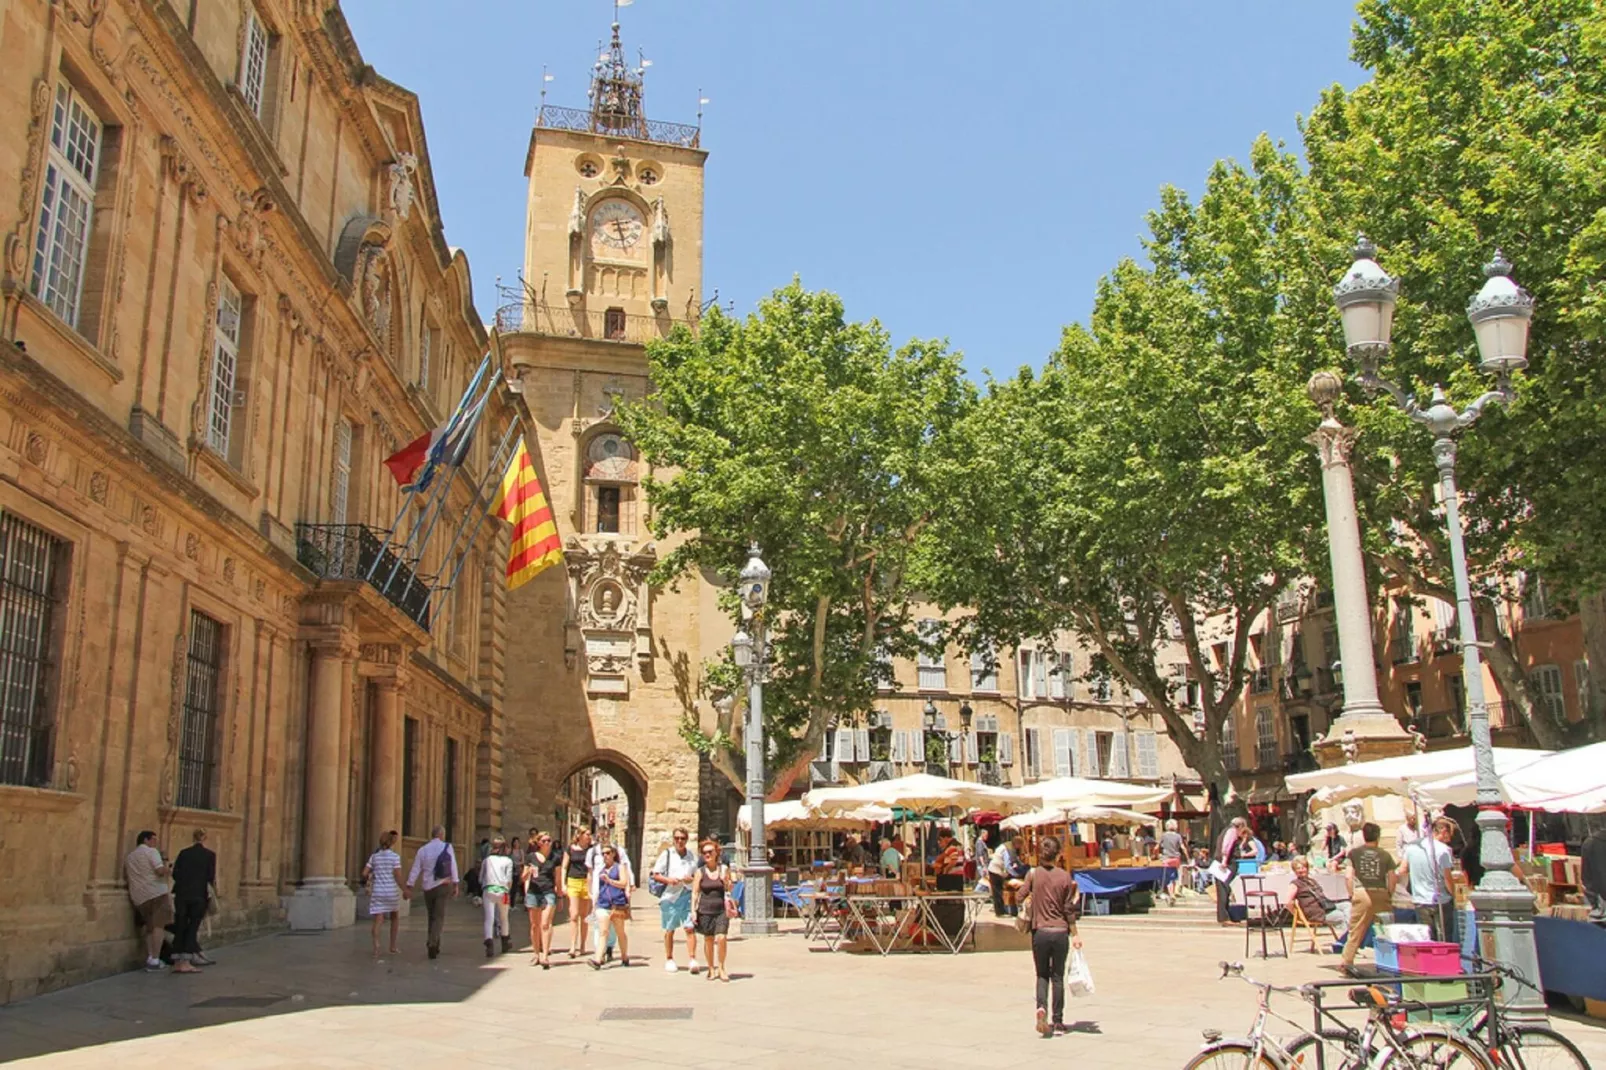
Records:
x=1501, y=657
x=1592, y=613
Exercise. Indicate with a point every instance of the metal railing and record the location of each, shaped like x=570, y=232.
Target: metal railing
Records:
x=612, y=124
x=1260, y=681
x=349, y=552
x=1402, y=649
x=566, y=322
x=1445, y=641
x=1439, y=724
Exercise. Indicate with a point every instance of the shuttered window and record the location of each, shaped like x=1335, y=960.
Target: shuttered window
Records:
x=932, y=667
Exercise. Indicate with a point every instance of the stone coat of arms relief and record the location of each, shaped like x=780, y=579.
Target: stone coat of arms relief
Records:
x=609, y=616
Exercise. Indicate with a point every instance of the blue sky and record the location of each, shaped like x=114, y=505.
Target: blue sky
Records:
x=957, y=170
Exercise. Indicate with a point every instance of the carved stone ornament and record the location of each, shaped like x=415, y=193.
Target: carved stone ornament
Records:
x=577, y=214
x=98, y=488
x=660, y=222
x=147, y=519
x=69, y=772
x=36, y=448
x=609, y=606
x=401, y=192
x=17, y=244
x=376, y=282
x=228, y=571
x=192, y=546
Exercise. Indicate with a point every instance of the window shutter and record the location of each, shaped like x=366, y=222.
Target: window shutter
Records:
x=844, y=745
x=1078, y=768
x=1148, y=755
x=971, y=751
x=1023, y=673
x=1062, y=752
x=1059, y=678
x=1006, y=749
x=1034, y=753
x=1120, y=762
x=1093, y=754
x=897, y=746
x=861, y=744
x=956, y=749
x=917, y=746
x=1040, y=673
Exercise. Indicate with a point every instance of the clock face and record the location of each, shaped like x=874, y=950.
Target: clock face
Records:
x=616, y=229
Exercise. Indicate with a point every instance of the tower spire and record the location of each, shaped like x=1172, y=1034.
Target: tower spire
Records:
x=616, y=90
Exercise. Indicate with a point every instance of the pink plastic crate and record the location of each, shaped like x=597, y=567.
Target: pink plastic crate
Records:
x=1431, y=959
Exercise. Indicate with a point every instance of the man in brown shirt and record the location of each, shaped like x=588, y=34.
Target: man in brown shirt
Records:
x=1372, y=874
x=1052, y=905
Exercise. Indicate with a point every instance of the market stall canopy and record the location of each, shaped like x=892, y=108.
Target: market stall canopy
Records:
x=1565, y=782
x=1405, y=773
x=1107, y=815
x=792, y=814
x=922, y=791
x=1066, y=791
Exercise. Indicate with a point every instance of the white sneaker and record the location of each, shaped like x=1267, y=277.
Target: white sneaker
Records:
x=670, y=967
x=693, y=967
x=155, y=965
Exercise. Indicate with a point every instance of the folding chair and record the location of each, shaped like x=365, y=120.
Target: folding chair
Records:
x=1302, y=922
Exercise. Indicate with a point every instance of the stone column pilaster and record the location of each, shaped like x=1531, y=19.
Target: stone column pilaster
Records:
x=324, y=900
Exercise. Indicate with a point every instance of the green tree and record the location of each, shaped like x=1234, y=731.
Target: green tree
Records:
x=1482, y=125
x=1153, y=482
x=816, y=438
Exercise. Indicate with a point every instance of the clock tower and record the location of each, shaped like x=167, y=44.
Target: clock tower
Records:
x=602, y=668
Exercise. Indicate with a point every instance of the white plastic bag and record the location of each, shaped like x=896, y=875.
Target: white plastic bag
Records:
x=1078, y=978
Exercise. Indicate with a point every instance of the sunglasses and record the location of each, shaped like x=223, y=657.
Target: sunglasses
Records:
x=709, y=851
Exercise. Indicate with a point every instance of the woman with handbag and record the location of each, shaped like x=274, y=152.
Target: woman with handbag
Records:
x=1051, y=903
x=613, y=905
x=712, y=909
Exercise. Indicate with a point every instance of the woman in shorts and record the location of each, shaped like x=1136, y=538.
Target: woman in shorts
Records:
x=577, y=885
x=541, y=864
x=712, y=907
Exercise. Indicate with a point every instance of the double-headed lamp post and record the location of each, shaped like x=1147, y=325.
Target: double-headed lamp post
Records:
x=935, y=725
x=748, y=649
x=1500, y=313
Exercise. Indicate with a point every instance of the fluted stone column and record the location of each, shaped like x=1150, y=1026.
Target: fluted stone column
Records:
x=324, y=899
x=384, y=783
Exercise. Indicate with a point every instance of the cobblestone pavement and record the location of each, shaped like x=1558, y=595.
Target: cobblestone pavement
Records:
x=322, y=1001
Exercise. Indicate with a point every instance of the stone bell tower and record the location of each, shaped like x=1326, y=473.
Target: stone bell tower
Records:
x=602, y=668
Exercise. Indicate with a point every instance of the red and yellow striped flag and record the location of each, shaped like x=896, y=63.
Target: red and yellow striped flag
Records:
x=521, y=502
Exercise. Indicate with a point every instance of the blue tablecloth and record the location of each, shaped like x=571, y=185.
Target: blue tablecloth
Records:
x=1122, y=879
x=792, y=897
x=1571, y=956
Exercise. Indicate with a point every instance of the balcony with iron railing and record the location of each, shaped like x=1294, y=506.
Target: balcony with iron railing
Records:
x=1260, y=681
x=1444, y=641
x=616, y=125
x=567, y=321
x=358, y=552
x=1403, y=649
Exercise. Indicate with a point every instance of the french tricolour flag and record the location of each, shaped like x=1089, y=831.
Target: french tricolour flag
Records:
x=406, y=462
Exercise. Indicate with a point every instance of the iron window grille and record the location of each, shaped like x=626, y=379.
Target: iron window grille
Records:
x=31, y=564
x=197, y=753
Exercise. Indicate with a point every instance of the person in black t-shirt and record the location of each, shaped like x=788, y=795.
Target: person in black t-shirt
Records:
x=194, y=885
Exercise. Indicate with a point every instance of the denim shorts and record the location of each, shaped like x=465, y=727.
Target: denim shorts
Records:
x=538, y=900
x=675, y=913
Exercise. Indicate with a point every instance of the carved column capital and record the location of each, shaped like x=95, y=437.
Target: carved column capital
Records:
x=1334, y=442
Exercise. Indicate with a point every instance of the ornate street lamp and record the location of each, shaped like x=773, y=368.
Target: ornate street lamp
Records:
x=1500, y=313
x=748, y=651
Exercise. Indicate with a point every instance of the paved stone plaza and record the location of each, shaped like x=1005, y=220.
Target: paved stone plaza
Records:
x=321, y=1001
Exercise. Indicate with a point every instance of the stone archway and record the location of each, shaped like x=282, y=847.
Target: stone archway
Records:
x=633, y=783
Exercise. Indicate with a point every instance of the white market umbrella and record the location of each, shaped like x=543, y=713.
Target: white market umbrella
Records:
x=1405, y=773
x=921, y=792
x=1107, y=815
x=792, y=814
x=1071, y=791
x=1563, y=782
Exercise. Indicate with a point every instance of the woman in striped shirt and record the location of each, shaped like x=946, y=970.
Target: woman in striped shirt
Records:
x=383, y=874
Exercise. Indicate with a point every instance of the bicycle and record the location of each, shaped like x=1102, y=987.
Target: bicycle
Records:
x=1519, y=1046
x=1383, y=1042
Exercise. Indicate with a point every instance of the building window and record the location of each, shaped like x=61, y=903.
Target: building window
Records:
x=1059, y=674
x=1458, y=694
x=984, y=670
x=1535, y=599
x=1104, y=753
x=31, y=566
x=608, y=510
x=885, y=681
x=225, y=362
x=254, y=63
x=933, y=671
x=449, y=803
x=613, y=324
x=1034, y=753
x=340, y=482
x=1546, y=683
x=197, y=749
x=1265, y=737
x=1229, y=743
x=67, y=203
x=409, y=775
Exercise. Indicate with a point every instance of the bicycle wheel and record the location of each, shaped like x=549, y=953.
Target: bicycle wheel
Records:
x=1231, y=1055
x=1432, y=1047
x=1537, y=1047
x=1340, y=1050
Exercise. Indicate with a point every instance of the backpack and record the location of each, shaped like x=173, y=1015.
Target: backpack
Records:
x=443, y=863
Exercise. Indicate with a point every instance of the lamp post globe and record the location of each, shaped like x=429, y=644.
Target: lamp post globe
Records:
x=965, y=714
x=930, y=716
x=1366, y=296
x=742, y=649
x=1500, y=313
x=754, y=581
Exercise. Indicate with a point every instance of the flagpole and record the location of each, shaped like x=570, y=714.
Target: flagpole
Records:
x=483, y=514
x=453, y=464
x=458, y=413
x=493, y=471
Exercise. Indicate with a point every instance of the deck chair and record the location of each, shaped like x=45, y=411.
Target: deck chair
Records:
x=1302, y=922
